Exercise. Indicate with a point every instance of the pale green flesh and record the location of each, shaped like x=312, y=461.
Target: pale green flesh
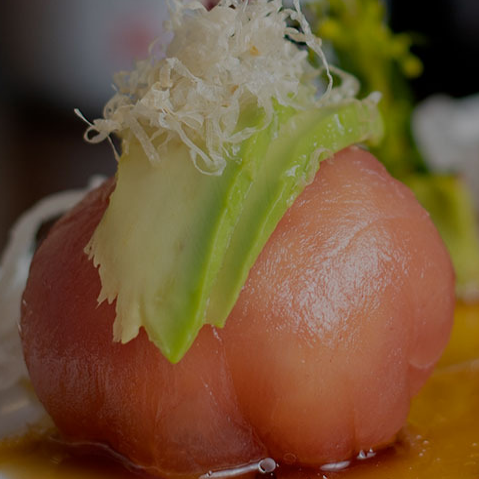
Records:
x=175, y=246
x=329, y=130
x=170, y=227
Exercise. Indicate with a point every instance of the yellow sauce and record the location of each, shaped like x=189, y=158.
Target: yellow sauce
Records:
x=440, y=441
x=38, y=456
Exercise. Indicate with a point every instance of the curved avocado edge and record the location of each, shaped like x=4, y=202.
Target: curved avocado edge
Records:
x=175, y=246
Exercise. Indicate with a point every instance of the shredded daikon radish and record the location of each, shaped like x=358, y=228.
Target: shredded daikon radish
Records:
x=14, y=267
x=239, y=53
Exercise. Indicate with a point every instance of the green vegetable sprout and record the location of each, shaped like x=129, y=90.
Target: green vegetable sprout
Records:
x=362, y=43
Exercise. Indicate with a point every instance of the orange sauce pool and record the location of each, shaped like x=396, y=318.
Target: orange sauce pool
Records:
x=440, y=440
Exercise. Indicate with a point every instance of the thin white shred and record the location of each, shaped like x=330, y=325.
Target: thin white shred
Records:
x=239, y=53
x=14, y=267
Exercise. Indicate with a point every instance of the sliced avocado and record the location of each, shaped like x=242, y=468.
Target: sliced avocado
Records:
x=162, y=239
x=288, y=166
x=175, y=246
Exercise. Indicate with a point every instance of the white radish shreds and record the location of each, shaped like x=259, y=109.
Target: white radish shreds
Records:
x=14, y=267
x=218, y=63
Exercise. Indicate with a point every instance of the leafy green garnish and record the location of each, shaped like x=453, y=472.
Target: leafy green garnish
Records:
x=365, y=46
x=450, y=206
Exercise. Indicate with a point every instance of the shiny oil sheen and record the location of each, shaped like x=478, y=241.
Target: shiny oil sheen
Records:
x=440, y=440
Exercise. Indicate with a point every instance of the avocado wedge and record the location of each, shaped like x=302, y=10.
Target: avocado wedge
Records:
x=175, y=246
x=291, y=162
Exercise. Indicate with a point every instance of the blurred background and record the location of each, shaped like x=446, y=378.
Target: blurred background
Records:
x=56, y=55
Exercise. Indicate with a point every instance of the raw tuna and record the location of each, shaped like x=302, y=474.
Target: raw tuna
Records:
x=342, y=319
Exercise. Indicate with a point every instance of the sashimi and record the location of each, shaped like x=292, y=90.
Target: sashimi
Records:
x=341, y=320
x=249, y=289
x=343, y=317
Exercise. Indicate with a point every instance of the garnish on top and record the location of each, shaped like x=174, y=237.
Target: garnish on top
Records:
x=219, y=138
